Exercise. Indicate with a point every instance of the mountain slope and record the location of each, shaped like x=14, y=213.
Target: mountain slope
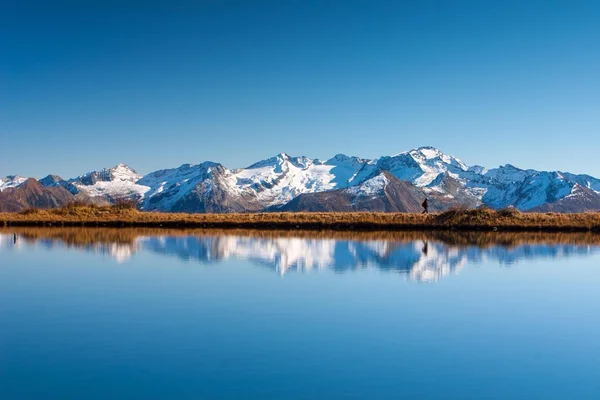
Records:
x=32, y=194
x=57, y=181
x=580, y=199
x=382, y=192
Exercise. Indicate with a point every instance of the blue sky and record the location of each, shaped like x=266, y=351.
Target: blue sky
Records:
x=86, y=85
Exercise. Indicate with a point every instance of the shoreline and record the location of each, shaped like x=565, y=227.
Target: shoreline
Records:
x=84, y=235
x=454, y=220
x=348, y=227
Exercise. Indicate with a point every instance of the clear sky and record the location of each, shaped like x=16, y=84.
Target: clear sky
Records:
x=89, y=84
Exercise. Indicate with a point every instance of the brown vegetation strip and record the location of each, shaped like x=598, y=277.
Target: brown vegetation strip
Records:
x=80, y=237
x=478, y=219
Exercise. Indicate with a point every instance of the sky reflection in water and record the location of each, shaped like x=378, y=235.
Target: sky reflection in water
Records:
x=171, y=314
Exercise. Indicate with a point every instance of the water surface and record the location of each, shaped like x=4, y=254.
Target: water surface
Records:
x=108, y=313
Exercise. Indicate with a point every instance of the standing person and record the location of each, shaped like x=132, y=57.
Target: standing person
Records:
x=425, y=205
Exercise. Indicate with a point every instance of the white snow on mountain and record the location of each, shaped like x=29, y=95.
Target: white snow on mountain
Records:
x=576, y=191
x=584, y=180
x=508, y=174
x=433, y=162
x=166, y=187
x=540, y=188
x=124, y=173
x=11, y=181
x=477, y=169
x=279, y=179
x=114, y=183
x=370, y=187
x=114, y=190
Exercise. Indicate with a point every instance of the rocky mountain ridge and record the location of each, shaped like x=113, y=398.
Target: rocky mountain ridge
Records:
x=397, y=183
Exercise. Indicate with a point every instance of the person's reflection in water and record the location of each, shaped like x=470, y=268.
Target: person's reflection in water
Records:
x=425, y=248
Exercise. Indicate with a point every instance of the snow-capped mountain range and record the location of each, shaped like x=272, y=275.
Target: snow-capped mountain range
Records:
x=342, y=183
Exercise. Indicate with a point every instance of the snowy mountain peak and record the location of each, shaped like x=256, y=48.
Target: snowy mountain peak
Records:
x=271, y=161
x=298, y=162
x=11, y=181
x=510, y=167
x=431, y=155
x=124, y=172
x=111, y=183
x=422, y=165
x=52, y=178
x=477, y=169
x=57, y=181
x=508, y=174
x=120, y=172
x=207, y=165
x=426, y=152
x=281, y=162
x=343, y=159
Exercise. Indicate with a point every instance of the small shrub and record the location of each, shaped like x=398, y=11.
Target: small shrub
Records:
x=75, y=208
x=508, y=212
x=77, y=204
x=30, y=211
x=464, y=216
x=450, y=215
x=125, y=204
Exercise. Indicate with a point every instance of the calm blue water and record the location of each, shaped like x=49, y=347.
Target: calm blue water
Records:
x=234, y=317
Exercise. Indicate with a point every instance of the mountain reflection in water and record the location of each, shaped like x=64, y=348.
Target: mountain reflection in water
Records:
x=421, y=256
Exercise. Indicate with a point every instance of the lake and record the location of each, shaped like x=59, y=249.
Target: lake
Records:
x=151, y=314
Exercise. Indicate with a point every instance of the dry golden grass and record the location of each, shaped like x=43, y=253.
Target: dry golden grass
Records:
x=478, y=219
x=81, y=237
